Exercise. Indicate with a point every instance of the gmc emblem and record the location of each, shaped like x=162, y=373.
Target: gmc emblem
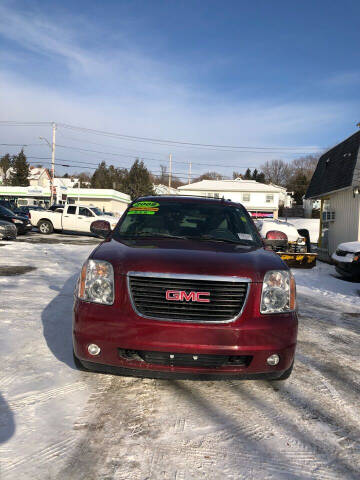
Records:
x=181, y=295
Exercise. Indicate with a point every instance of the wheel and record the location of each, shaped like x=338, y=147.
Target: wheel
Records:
x=45, y=227
x=286, y=374
x=78, y=363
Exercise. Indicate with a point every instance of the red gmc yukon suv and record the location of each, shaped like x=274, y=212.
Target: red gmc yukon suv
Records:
x=183, y=287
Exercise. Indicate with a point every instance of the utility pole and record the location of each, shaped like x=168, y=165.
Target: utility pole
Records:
x=189, y=172
x=52, y=162
x=170, y=169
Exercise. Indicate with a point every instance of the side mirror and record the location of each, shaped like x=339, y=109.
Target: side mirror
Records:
x=100, y=228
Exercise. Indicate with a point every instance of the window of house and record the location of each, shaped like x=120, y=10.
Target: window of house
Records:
x=71, y=210
x=269, y=198
x=216, y=195
x=246, y=197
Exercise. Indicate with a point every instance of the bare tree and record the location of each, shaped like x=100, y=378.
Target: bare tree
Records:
x=277, y=172
x=237, y=175
x=163, y=178
x=209, y=176
x=305, y=165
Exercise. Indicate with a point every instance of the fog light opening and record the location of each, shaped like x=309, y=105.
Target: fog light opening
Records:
x=94, y=349
x=273, y=359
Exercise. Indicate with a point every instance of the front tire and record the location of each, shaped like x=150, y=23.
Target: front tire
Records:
x=45, y=227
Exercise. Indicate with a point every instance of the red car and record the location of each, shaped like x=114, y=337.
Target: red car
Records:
x=184, y=287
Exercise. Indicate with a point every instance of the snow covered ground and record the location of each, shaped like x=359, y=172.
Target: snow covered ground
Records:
x=60, y=423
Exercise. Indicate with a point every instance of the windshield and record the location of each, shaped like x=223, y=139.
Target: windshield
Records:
x=198, y=221
x=6, y=211
x=96, y=210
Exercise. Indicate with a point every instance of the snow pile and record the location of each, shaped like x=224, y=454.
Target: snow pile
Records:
x=323, y=280
x=265, y=226
x=311, y=224
x=352, y=247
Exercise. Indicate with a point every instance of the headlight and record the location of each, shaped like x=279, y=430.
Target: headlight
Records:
x=278, y=292
x=96, y=282
x=301, y=240
x=14, y=220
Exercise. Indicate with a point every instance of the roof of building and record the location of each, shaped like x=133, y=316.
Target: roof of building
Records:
x=237, y=185
x=98, y=192
x=336, y=169
x=65, y=182
x=161, y=189
x=36, y=172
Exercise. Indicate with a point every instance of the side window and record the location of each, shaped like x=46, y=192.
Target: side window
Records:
x=269, y=198
x=246, y=197
x=71, y=210
x=85, y=212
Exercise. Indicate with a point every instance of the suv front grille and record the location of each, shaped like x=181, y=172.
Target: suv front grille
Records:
x=226, y=297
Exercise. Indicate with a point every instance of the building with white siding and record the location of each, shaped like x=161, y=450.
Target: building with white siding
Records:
x=260, y=199
x=107, y=200
x=336, y=182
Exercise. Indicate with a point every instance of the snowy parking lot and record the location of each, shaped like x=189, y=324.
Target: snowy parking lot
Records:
x=60, y=423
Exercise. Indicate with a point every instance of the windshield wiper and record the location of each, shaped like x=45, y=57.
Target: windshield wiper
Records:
x=226, y=240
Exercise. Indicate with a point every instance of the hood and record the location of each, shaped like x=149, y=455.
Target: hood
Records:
x=188, y=256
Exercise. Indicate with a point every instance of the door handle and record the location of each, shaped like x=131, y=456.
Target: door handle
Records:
x=66, y=216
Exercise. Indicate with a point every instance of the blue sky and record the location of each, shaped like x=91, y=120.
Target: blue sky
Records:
x=226, y=72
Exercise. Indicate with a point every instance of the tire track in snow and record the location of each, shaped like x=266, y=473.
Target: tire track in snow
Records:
x=46, y=454
x=41, y=397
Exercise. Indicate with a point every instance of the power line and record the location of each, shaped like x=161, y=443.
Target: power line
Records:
x=11, y=123
x=283, y=149
x=173, y=142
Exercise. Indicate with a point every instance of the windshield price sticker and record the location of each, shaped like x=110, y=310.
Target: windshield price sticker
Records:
x=142, y=211
x=245, y=236
x=145, y=205
x=144, y=208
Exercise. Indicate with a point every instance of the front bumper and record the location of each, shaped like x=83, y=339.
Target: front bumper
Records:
x=119, y=327
x=348, y=269
x=23, y=228
x=8, y=233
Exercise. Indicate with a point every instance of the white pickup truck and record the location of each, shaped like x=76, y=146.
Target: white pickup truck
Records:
x=75, y=218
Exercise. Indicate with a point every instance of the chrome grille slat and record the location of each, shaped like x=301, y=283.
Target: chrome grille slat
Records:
x=148, y=294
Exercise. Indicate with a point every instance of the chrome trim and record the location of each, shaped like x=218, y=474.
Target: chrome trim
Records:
x=218, y=278
x=191, y=276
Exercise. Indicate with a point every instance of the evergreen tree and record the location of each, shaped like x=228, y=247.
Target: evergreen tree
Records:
x=5, y=164
x=118, y=177
x=254, y=174
x=298, y=184
x=138, y=181
x=261, y=178
x=21, y=170
x=101, y=177
x=248, y=175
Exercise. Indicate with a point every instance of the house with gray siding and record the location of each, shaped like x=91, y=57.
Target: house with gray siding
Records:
x=336, y=182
